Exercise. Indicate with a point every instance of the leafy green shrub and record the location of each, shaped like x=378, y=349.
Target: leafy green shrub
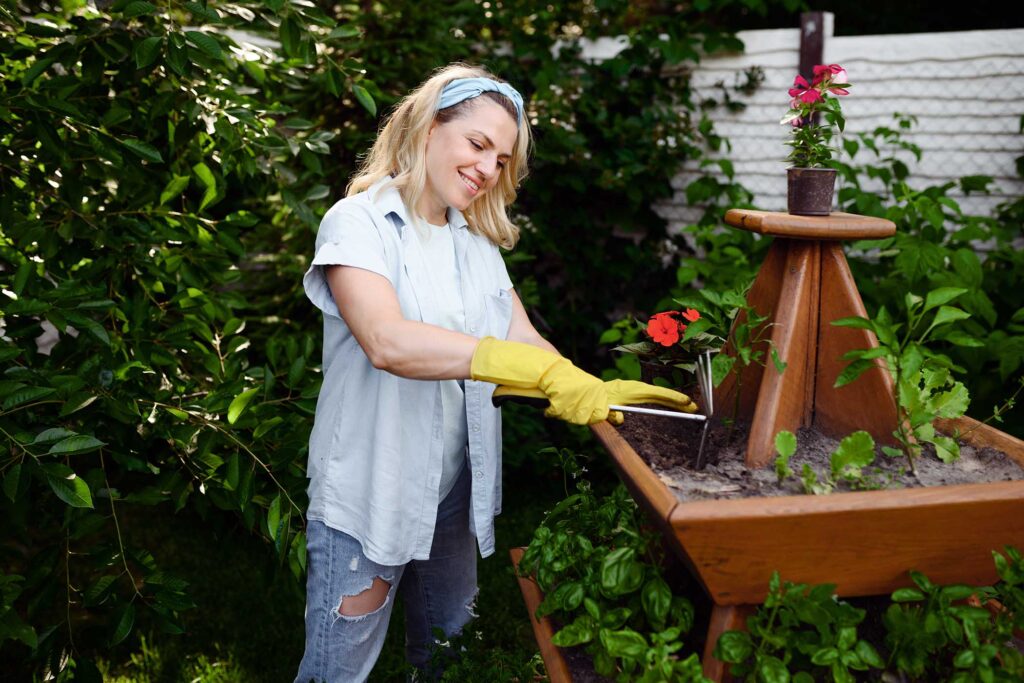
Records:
x=144, y=162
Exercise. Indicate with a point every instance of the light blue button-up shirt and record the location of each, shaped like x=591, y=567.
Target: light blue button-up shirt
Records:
x=376, y=449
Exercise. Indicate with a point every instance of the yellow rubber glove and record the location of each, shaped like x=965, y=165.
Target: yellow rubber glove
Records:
x=624, y=392
x=574, y=395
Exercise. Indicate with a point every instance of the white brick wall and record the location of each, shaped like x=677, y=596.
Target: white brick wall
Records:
x=965, y=88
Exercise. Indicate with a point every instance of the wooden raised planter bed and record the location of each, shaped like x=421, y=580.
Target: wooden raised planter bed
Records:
x=543, y=630
x=864, y=542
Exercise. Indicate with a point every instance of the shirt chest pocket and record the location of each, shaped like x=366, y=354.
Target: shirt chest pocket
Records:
x=497, y=314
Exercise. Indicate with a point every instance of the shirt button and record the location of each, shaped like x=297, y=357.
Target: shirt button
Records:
x=476, y=428
x=473, y=329
x=479, y=474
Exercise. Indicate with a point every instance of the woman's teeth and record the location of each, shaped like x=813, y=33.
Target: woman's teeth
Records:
x=469, y=183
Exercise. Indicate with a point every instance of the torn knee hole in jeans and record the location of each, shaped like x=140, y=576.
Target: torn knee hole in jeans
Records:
x=471, y=605
x=372, y=599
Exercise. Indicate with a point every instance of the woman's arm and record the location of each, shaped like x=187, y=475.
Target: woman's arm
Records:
x=368, y=303
x=522, y=330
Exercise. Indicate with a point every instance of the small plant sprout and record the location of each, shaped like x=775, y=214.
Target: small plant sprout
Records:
x=785, y=446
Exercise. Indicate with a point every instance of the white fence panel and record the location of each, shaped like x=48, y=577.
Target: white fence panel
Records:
x=966, y=90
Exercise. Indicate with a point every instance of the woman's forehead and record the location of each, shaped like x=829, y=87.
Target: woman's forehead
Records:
x=490, y=119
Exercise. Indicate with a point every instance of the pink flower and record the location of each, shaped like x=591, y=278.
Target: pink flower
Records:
x=665, y=329
x=803, y=91
x=825, y=75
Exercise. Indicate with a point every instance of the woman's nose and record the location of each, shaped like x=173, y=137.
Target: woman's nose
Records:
x=487, y=166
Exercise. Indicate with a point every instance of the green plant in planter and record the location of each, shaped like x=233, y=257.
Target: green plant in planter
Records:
x=810, y=139
x=801, y=634
x=955, y=633
x=946, y=632
x=709, y=315
x=600, y=572
x=922, y=379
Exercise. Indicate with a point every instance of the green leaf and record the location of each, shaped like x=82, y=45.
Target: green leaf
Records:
x=347, y=31
x=147, y=50
x=780, y=366
x=239, y=404
x=174, y=188
x=721, y=365
x=13, y=478
x=68, y=486
x=949, y=314
x=52, y=434
x=209, y=181
x=274, y=517
x=365, y=99
x=734, y=647
x=80, y=443
x=206, y=43
x=26, y=395
x=656, y=598
x=854, y=452
x=855, y=322
x=852, y=371
x=77, y=402
x=868, y=654
x=626, y=643
x=266, y=426
x=772, y=670
x=124, y=621
x=142, y=149
x=785, y=443
x=907, y=595
x=620, y=572
x=942, y=295
x=137, y=9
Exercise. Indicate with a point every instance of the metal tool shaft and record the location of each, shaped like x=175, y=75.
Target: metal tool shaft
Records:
x=654, y=411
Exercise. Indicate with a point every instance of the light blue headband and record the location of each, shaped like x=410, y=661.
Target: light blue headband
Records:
x=462, y=89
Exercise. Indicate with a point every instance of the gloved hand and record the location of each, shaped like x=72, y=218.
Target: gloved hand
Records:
x=628, y=392
x=574, y=395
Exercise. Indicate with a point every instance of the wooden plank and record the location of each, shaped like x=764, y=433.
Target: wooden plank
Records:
x=812, y=42
x=640, y=479
x=864, y=542
x=784, y=399
x=980, y=434
x=868, y=403
x=835, y=226
x=558, y=670
x=723, y=618
x=737, y=395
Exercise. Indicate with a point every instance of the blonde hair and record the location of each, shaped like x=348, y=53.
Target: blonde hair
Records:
x=400, y=150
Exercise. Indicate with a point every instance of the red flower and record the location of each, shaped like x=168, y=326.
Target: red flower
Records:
x=665, y=329
x=691, y=314
x=803, y=91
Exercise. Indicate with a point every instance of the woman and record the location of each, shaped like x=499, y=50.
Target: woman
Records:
x=420, y=323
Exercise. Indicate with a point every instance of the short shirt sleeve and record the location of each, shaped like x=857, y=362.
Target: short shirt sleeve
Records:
x=347, y=237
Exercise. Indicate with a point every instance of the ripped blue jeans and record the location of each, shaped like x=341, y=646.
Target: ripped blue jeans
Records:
x=437, y=593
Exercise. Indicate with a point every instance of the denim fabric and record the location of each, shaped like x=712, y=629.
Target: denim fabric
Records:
x=438, y=592
x=377, y=445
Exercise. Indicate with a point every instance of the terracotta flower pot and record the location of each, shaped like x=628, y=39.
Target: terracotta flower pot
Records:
x=809, y=191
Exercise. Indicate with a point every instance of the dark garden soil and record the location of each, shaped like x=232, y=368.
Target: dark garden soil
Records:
x=581, y=666
x=669, y=446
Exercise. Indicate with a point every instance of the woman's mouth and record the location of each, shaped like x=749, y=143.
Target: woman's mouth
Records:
x=473, y=187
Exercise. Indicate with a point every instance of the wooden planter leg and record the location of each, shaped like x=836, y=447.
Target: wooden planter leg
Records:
x=868, y=402
x=785, y=400
x=723, y=618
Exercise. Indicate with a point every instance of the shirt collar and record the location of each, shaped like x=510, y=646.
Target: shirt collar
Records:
x=386, y=196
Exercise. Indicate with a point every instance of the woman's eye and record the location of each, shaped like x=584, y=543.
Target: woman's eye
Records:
x=476, y=145
x=501, y=164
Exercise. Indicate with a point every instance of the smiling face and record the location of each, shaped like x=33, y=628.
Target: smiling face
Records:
x=465, y=158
